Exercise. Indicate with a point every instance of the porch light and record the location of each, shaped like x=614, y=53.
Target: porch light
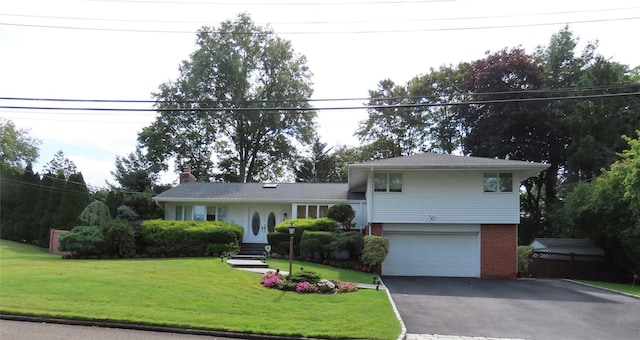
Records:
x=292, y=230
x=284, y=216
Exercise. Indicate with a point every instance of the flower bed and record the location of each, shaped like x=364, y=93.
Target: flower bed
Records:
x=277, y=281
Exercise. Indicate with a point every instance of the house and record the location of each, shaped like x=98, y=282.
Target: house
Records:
x=576, y=246
x=444, y=215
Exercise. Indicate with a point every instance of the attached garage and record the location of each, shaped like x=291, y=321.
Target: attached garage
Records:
x=447, y=250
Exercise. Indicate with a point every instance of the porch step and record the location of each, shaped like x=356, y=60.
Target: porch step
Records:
x=240, y=263
x=247, y=257
x=252, y=249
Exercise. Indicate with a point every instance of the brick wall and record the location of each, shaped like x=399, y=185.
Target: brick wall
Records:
x=54, y=240
x=376, y=229
x=498, y=251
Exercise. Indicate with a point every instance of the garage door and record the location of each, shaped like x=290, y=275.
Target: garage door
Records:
x=432, y=254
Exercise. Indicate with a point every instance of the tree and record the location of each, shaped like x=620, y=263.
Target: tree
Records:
x=319, y=167
x=47, y=220
x=343, y=214
x=243, y=97
x=17, y=148
x=74, y=199
x=135, y=172
x=608, y=208
x=26, y=222
x=60, y=164
x=9, y=183
x=439, y=89
x=95, y=213
x=393, y=128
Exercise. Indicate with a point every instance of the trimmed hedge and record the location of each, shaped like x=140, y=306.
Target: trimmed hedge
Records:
x=375, y=250
x=188, y=238
x=318, y=244
x=302, y=224
x=279, y=242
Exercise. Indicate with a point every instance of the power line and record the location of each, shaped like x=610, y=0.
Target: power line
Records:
x=325, y=22
x=631, y=86
x=336, y=108
x=326, y=32
x=283, y=3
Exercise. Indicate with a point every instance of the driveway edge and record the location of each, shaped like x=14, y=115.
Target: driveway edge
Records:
x=603, y=288
x=403, y=334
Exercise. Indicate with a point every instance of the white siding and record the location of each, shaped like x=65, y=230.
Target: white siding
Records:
x=445, y=197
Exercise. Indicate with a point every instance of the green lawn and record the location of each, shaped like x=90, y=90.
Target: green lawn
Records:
x=620, y=287
x=187, y=292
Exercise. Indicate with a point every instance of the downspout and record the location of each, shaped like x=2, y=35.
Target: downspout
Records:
x=369, y=198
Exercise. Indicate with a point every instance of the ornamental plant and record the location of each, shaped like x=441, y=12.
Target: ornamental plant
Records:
x=271, y=280
x=346, y=287
x=325, y=287
x=306, y=287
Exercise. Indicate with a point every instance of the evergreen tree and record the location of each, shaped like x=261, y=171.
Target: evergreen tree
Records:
x=40, y=207
x=47, y=221
x=74, y=199
x=9, y=179
x=27, y=197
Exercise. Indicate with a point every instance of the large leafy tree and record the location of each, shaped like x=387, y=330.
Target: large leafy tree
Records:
x=608, y=208
x=17, y=148
x=241, y=99
x=438, y=90
x=393, y=128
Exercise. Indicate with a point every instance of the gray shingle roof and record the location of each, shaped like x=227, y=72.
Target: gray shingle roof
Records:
x=256, y=192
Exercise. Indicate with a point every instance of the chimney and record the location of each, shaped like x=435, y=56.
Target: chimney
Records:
x=186, y=176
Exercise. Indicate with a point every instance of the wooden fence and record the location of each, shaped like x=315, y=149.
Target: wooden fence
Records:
x=571, y=266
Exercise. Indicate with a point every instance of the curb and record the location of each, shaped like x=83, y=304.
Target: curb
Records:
x=403, y=333
x=602, y=288
x=149, y=328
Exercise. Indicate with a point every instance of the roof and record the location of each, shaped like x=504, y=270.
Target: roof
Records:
x=438, y=161
x=581, y=246
x=259, y=192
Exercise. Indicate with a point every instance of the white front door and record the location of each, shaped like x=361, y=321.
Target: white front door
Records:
x=262, y=220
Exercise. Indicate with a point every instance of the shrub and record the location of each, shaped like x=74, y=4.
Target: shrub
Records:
x=119, y=237
x=223, y=248
x=375, y=250
x=309, y=276
x=96, y=214
x=351, y=241
x=279, y=242
x=326, y=287
x=83, y=241
x=346, y=287
x=318, y=244
x=306, y=287
x=270, y=280
x=187, y=238
x=343, y=214
x=524, y=258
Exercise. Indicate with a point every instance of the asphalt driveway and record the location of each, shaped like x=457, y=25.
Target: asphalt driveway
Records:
x=526, y=309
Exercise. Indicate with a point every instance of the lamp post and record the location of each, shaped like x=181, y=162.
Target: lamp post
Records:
x=292, y=230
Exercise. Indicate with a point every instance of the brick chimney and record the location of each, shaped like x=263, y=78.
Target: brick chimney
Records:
x=186, y=176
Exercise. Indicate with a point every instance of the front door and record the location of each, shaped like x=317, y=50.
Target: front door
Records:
x=262, y=220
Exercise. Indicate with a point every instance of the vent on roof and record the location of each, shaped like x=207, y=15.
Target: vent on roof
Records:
x=270, y=185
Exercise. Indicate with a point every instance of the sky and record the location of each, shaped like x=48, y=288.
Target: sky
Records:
x=125, y=49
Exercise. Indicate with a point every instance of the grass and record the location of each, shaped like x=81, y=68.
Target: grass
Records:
x=187, y=292
x=620, y=287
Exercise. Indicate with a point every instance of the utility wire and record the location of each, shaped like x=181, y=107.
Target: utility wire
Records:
x=387, y=2
x=326, y=22
x=630, y=86
x=337, y=108
x=325, y=32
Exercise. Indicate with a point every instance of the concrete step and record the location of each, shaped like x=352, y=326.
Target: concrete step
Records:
x=252, y=249
x=247, y=257
x=238, y=263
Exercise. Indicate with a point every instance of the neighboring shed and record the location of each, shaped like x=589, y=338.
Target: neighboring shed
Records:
x=578, y=246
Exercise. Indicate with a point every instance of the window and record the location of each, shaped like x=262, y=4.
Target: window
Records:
x=179, y=210
x=387, y=182
x=498, y=182
x=199, y=212
x=379, y=182
x=311, y=211
x=206, y=213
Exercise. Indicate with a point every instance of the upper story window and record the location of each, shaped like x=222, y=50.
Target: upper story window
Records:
x=387, y=182
x=498, y=182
